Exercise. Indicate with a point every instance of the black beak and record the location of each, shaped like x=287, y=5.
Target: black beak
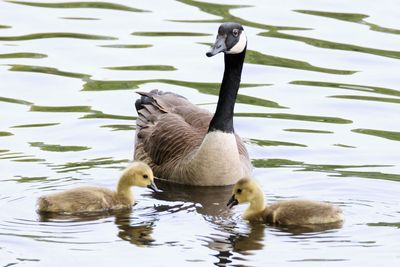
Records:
x=218, y=47
x=232, y=202
x=153, y=187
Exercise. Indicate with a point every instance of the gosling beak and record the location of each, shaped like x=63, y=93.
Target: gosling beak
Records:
x=153, y=187
x=232, y=202
x=218, y=47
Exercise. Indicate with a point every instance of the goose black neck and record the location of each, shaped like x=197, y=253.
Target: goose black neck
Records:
x=223, y=117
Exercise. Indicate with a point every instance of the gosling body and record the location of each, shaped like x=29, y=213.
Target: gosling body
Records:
x=97, y=199
x=286, y=213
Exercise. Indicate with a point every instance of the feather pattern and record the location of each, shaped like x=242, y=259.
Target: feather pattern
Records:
x=170, y=131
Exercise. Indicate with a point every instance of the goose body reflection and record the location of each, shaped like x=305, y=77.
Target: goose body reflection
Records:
x=284, y=213
x=185, y=144
x=97, y=199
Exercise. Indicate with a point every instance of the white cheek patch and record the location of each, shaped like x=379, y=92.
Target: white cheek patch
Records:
x=239, y=46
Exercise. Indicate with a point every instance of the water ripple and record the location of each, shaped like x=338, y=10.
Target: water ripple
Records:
x=255, y=57
x=47, y=70
x=223, y=11
x=350, y=87
x=23, y=55
x=101, y=5
x=350, y=17
x=332, y=45
x=35, y=36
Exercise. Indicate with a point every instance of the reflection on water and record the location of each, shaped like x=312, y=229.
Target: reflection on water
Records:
x=101, y=5
x=351, y=17
x=204, y=204
x=35, y=36
x=332, y=45
x=318, y=110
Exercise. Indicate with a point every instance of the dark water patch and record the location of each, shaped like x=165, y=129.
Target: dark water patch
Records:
x=286, y=116
x=254, y=57
x=379, y=133
x=29, y=160
x=58, y=148
x=376, y=27
x=5, y=134
x=223, y=11
x=255, y=101
x=46, y=35
x=101, y=115
x=345, y=146
x=368, y=98
x=105, y=162
x=35, y=125
x=120, y=127
x=48, y=70
x=332, y=45
x=79, y=18
x=352, y=87
x=15, y=101
x=205, y=88
x=386, y=224
x=61, y=108
x=308, y=131
x=23, y=55
x=4, y=152
x=370, y=175
x=170, y=34
x=127, y=46
x=274, y=143
x=333, y=170
x=275, y=163
x=24, y=179
x=99, y=5
x=145, y=68
x=14, y=155
x=350, y=17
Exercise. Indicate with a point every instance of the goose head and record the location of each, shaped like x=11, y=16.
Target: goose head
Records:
x=231, y=39
x=140, y=174
x=245, y=190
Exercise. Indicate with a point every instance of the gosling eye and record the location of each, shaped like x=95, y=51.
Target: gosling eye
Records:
x=239, y=191
x=235, y=32
x=145, y=176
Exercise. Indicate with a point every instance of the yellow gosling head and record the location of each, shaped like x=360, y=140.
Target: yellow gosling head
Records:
x=245, y=190
x=140, y=174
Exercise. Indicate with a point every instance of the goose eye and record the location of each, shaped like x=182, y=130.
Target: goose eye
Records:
x=239, y=191
x=145, y=176
x=235, y=32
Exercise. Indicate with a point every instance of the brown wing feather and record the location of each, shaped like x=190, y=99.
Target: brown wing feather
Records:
x=169, y=128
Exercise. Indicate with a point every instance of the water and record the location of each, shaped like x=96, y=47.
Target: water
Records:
x=318, y=108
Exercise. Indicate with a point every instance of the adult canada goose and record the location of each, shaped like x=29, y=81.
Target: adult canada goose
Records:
x=289, y=212
x=96, y=199
x=186, y=144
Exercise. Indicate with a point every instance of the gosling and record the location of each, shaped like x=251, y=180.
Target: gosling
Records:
x=98, y=199
x=284, y=213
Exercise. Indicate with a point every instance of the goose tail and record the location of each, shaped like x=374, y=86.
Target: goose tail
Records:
x=153, y=96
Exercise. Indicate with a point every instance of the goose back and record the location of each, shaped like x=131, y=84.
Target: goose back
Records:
x=302, y=212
